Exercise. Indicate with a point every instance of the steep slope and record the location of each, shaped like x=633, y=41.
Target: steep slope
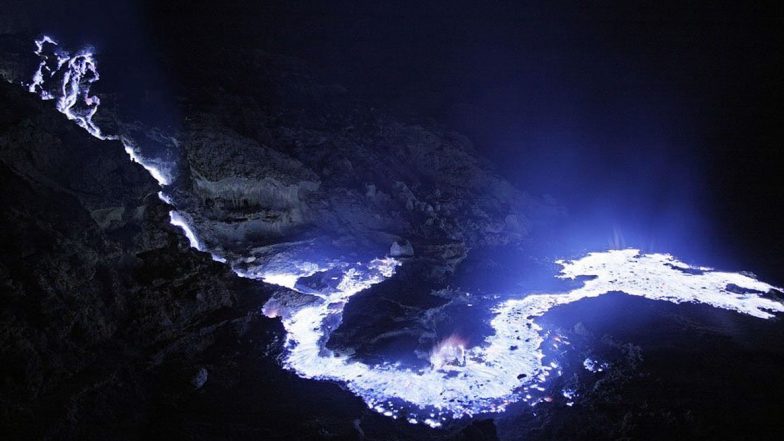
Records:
x=97, y=287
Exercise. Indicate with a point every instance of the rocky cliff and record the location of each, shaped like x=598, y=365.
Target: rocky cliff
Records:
x=111, y=326
x=98, y=289
x=109, y=310
x=287, y=157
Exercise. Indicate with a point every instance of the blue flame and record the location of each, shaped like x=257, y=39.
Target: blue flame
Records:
x=461, y=381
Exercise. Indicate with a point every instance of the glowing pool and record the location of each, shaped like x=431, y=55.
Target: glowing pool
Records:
x=461, y=381
x=490, y=376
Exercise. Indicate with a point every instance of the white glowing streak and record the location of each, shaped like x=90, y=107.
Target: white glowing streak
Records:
x=178, y=220
x=448, y=352
x=156, y=172
x=165, y=198
x=74, y=101
x=181, y=221
x=490, y=377
x=284, y=280
x=81, y=72
x=38, y=76
x=74, y=88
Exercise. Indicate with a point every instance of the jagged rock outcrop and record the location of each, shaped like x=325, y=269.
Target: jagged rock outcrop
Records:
x=278, y=155
x=289, y=158
x=285, y=166
x=112, y=328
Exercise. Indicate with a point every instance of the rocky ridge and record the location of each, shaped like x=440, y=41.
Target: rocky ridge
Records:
x=290, y=158
x=98, y=289
x=113, y=327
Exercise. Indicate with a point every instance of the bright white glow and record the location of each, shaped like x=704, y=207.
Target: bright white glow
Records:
x=68, y=78
x=508, y=366
x=449, y=352
x=178, y=220
x=72, y=76
x=36, y=86
x=161, y=174
x=182, y=221
x=165, y=198
x=75, y=101
x=285, y=280
x=592, y=365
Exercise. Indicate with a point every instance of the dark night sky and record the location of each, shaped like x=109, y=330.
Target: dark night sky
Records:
x=662, y=119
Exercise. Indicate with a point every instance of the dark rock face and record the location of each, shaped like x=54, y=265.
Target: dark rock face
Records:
x=276, y=155
x=285, y=165
x=289, y=158
x=97, y=287
x=111, y=327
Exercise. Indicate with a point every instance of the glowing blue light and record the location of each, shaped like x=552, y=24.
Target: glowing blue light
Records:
x=461, y=381
x=73, y=76
x=489, y=375
x=178, y=220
